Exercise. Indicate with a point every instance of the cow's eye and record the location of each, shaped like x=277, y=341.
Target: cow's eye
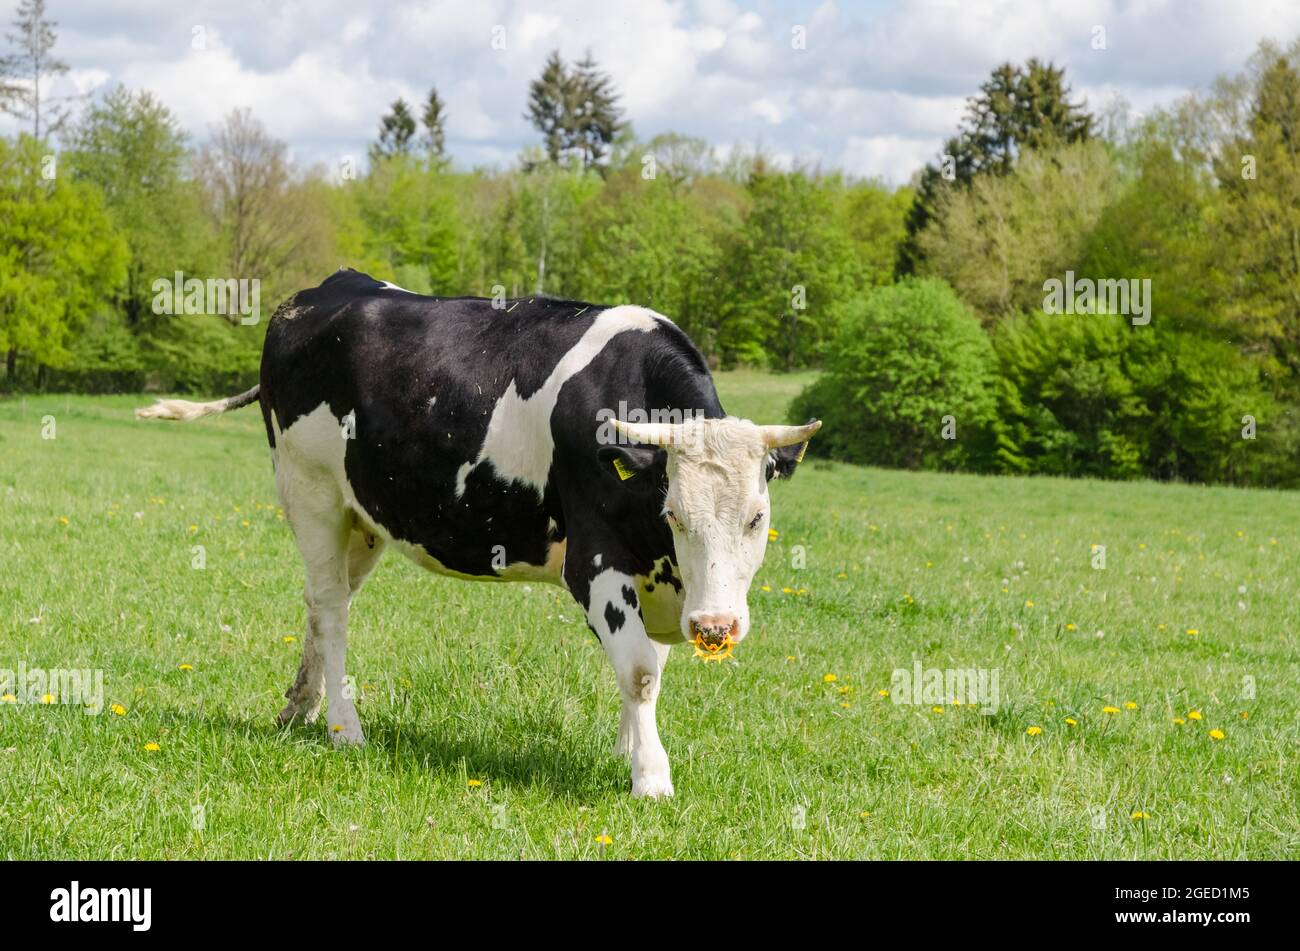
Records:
x=672, y=517
x=756, y=521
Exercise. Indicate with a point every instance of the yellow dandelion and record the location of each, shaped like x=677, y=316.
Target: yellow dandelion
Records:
x=864, y=814
x=1137, y=816
x=1029, y=604
x=1069, y=627
x=47, y=698
x=845, y=704
x=245, y=523
x=193, y=529
x=883, y=692
x=289, y=638
x=801, y=591
x=1071, y=721
x=790, y=658
x=1244, y=714
x=1130, y=705
x=773, y=534
x=152, y=747
x=829, y=678
x=842, y=576
x=8, y=698
x=787, y=590
x=1179, y=721
x=844, y=690
x=337, y=728
x=1034, y=730
x=473, y=782
x=1192, y=632
x=936, y=709
x=604, y=840
x=185, y=667
x=1217, y=734
x=1110, y=709
x=766, y=587
x=118, y=710
x=1194, y=715
x=64, y=520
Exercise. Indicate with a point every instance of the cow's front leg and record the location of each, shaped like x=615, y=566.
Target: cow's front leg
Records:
x=613, y=613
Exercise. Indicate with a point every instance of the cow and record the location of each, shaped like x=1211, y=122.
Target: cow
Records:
x=537, y=440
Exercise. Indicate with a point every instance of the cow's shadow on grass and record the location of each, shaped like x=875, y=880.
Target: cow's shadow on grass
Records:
x=585, y=771
x=582, y=770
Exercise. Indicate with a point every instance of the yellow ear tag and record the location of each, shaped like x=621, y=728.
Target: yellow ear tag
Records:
x=623, y=472
x=799, y=458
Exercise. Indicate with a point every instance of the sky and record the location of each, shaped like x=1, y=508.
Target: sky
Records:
x=875, y=89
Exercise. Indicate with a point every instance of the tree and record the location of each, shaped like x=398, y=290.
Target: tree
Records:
x=576, y=110
x=131, y=147
x=998, y=240
x=396, y=132
x=273, y=225
x=596, y=118
x=417, y=222
x=22, y=73
x=909, y=382
x=644, y=243
x=435, y=121
x=59, y=256
x=1017, y=109
x=680, y=159
x=1258, y=171
x=548, y=105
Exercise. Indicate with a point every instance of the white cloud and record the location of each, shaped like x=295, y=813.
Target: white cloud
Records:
x=878, y=88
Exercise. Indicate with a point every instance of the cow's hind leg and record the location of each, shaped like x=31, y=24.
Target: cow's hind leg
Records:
x=322, y=526
x=308, y=689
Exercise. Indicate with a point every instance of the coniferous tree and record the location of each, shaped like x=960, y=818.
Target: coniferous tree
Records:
x=33, y=62
x=575, y=109
x=435, y=121
x=396, y=132
x=1017, y=109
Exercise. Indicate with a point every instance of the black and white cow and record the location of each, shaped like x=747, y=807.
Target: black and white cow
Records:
x=485, y=442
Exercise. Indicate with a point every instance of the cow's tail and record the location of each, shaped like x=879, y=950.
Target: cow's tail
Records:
x=185, y=410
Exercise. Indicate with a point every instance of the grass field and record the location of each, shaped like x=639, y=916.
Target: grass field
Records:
x=491, y=712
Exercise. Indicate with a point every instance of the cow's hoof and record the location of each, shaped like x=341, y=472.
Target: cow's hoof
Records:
x=341, y=736
x=652, y=786
x=305, y=713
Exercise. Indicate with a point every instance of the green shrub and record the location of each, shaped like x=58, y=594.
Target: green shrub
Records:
x=904, y=357
x=1092, y=395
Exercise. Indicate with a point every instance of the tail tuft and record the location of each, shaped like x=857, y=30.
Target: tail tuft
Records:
x=185, y=411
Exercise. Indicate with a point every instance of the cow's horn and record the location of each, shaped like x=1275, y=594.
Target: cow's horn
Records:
x=652, y=434
x=777, y=436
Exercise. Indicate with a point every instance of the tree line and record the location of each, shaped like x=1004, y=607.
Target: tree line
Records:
x=923, y=304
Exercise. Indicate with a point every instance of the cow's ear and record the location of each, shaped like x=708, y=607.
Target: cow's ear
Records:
x=782, y=462
x=630, y=465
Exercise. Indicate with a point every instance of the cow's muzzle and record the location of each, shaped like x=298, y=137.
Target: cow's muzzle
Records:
x=713, y=631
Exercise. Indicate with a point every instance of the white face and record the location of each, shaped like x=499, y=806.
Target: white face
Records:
x=718, y=507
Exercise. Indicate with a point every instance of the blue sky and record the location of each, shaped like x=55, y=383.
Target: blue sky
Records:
x=878, y=87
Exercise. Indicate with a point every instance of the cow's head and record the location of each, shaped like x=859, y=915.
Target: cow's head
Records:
x=716, y=504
